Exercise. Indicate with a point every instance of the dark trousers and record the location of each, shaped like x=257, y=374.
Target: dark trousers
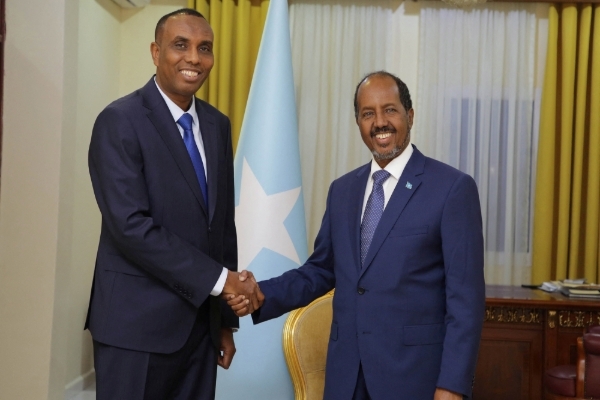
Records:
x=188, y=374
x=361, y=392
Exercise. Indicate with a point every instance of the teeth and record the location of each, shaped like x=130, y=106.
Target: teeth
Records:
x=383, y=135
x=189, y=73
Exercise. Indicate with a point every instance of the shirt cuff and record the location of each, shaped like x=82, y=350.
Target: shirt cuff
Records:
x=218, y=289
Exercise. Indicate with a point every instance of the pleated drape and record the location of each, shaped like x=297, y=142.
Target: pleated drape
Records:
x=566, y=237
x=334, y=44
x=238, y=27
x=479, y=114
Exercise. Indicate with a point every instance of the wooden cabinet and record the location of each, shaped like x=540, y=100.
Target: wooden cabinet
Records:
x=525, y=332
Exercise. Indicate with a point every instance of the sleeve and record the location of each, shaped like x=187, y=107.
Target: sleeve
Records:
x=298, y=287
x=230, y=257
x=116, y=167
x=462, y=247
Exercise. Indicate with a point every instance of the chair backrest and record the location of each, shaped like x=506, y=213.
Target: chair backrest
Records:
x=305, y=339
x=591, y=343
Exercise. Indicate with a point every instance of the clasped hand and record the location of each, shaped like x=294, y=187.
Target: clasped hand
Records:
x=242, y=293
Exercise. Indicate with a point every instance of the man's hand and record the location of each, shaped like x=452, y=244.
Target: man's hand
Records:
x=243, y=286
x=443, y=394
x=239, y=305
x=227, y=350
x=245, y=274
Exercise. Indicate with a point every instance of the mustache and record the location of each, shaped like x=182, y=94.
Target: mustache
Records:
x=385, y=129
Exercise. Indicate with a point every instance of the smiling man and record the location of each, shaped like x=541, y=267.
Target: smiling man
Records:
x=401, y=243
x=161, y=166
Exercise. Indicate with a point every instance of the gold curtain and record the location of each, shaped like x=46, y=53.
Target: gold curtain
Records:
x=566, y=225
x=238, y=27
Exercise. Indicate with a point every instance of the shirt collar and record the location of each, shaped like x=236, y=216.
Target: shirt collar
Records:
x=397, y=165
x=176, y=111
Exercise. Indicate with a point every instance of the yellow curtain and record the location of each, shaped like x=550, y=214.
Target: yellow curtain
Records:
x=238, y=27
x=566, y=236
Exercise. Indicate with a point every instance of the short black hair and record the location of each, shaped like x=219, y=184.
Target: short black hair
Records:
x=183, y=11
x=402, y=90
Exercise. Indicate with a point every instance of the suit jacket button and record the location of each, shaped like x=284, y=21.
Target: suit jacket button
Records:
x=361, y=290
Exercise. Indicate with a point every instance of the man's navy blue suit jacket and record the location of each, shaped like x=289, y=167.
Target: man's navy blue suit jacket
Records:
x=413, y=314
x=161, y=249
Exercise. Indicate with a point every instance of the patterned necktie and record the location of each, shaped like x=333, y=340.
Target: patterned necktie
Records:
x=373, y=212
x=188, y=138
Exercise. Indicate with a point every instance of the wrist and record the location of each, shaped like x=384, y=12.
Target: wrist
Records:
x=228, y=282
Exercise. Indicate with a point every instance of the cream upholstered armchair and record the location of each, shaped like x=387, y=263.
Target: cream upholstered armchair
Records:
x=305, y=339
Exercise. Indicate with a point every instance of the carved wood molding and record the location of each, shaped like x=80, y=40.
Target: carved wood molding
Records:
x=513, y=315
x=552, y=319
x=578, y=319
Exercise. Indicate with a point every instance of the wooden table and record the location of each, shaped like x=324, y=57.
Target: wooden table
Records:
x=527, y=331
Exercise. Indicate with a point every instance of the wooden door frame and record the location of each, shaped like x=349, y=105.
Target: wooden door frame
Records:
x=2, y=40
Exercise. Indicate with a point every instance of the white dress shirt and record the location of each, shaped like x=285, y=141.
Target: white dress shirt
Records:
x=177, y=112
x=395, y=168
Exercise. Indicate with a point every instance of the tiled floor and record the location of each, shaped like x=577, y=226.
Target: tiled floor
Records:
x=87, y=394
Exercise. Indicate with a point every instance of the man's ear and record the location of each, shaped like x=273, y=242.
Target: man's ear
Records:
x=154, y=52
x=411, y=115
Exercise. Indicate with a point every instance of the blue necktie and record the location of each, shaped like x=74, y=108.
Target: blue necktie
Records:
x=188, y=138
x=373, y=212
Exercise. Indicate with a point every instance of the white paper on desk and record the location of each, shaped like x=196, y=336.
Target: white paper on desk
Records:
x=549, y=287
x=579, y=281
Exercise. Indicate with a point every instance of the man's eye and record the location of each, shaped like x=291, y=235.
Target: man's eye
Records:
x=390, y=110
x=180, y=45
x=205, y=49
x=367, y=114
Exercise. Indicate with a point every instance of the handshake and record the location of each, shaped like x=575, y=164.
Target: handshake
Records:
x=242, y=293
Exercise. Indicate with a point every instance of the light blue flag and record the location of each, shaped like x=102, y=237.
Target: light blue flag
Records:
x=269, y=211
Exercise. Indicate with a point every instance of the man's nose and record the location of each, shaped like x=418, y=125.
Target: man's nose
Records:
x=380, y=120
x=193, y=56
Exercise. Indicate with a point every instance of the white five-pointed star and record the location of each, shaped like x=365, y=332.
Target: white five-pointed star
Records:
x=259, y=220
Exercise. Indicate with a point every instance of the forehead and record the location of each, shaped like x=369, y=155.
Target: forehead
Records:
x=378, y=88
x=188, y=26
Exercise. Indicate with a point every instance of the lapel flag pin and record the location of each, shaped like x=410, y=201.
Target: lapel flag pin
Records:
x=408, y=185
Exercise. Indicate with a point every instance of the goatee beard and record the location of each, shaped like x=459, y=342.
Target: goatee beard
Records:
x=387, y=156
x=393, y=153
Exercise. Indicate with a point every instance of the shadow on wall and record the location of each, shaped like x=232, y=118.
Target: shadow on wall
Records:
x=111, y=7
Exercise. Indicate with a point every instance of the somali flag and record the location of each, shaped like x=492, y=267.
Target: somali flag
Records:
x=270, y=221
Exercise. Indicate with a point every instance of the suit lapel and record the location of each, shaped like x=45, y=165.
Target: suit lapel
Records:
x=162, y=119
x=400, y=197
x=357, y=196
x=209, y=139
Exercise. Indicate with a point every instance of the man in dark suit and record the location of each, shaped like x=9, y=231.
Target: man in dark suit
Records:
x=161, y=167
x=401, y=243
